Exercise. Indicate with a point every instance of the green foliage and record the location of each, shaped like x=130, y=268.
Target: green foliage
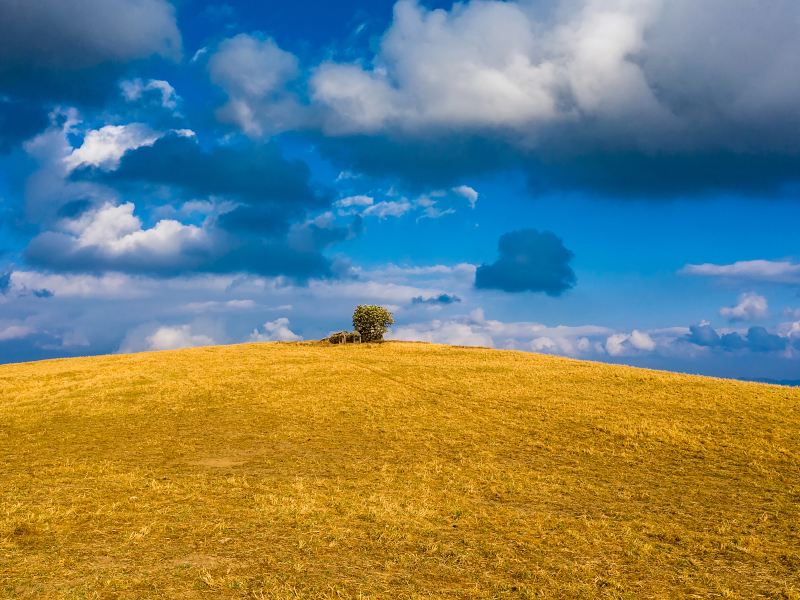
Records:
x=371, y=322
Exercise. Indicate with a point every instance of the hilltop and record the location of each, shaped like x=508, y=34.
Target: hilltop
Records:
x=395, y=471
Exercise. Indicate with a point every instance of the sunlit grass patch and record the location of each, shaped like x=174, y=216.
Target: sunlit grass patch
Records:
x=392, y=471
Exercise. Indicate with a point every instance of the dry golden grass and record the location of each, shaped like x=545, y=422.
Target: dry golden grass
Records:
x=392, y=471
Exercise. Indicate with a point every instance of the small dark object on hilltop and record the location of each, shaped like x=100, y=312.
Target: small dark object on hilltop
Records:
x=345, y=337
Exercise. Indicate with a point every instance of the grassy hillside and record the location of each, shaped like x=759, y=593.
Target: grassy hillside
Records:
x=392, y=471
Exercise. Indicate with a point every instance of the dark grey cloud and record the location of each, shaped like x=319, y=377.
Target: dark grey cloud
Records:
x=19, y=121
x=760, y=340
x=256, y=174
x=529, y=261
x=5, y=282
x=757, y=339
x=85, y=33
x=53, y=51
x=440, y=299
x=255, y=219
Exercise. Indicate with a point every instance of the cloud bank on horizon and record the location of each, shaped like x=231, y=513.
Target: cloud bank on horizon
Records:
x=195, y=173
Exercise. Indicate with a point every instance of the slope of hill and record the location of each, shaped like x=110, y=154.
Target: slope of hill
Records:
x=395, y=471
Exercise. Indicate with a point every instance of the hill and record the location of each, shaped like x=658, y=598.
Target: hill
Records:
x=395, y=471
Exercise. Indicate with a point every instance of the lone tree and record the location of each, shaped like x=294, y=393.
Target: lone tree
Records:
x=371, y=322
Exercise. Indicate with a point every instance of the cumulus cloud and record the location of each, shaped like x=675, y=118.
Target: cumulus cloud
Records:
x=768, y=271
x=620, y=344
x=113, y=238
x=275, y=331
x=476, y=330
x=254, y=73
x=750, y=307
x=134, y=90
x=586, y=94
x=612, y=67
x=104, y=147
x=165, y=337
x=529, y=261
x=259, y=205
x=171, y=338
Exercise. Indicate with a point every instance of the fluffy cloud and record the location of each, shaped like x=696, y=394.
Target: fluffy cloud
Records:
x=615, y=68
x=134, y=90
x=529, y=261
x=170, y=338
x=112, y=238
x=781, y=271
x=621, y=344
x=586, y=340
x=275, y=331
x=164, y=337
x=586, y=94
x=471, y=194
x=14, y=332
x=750, y=307
x=254, y=199
x=105, y=146
x=254, y=73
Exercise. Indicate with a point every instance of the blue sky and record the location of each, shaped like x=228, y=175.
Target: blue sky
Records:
x=613, y=180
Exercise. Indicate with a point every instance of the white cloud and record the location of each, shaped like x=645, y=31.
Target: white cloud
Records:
x=642, y=341
x=14, y=332
x=134, y=89
x=108, y=285
x=751, y=306
x=387, y=208
x=171, y=338
x=275, y=331
x=467, y=192
x=443, y=332
x=105, y=146
x=615, y=344
x=621, y=344
x=493, y=64
x=113, y=238
x=782, y=271
x=116, y=231
x=351, y=205
x=166, y=337
x=254, y=73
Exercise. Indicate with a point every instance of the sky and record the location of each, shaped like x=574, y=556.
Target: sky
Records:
x=610, y=180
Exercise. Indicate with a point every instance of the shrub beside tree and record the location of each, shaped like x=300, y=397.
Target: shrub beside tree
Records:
x=372, y=322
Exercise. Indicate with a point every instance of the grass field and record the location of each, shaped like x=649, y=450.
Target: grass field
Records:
x=392, y=471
